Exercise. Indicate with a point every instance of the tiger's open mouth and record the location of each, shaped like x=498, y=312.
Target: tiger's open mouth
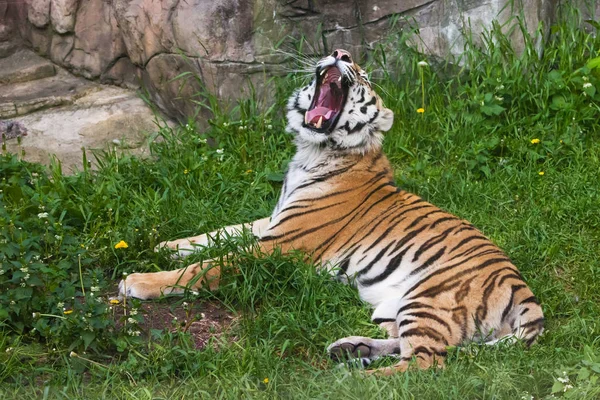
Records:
x=328, y=101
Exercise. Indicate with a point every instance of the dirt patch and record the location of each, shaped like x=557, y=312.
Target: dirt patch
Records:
x=202, y=320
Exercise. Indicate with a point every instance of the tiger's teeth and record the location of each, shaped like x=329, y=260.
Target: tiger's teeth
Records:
x=319, y=122
x=306, y=118
x=339, y=79
x=322, y=72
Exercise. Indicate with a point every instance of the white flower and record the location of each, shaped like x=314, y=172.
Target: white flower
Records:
x=220, y=151
x=422, y=64
x=587, y=85
x=567, y=387
x=269, y=126
x=25, y=269
x=57, y=237
x=133, y=312
x=499, y=98
x=202, y=140
x=131, y=320
x=27, y=276
x=43, y=215
x=35, y=315
x=9, y=349
x=94, y=288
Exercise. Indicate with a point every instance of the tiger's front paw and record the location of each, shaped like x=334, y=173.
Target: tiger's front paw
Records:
x=145, y=286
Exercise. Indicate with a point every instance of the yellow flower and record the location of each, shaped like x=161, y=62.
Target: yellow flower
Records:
x=541, y=173
x=266, y=380
x=248, y=171
x=420, y=110
x=67, y=312
x=114, y=301
x=535, y=141
x=121, y=245
x=185, y=171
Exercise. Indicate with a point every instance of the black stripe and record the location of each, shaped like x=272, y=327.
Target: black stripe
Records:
x=425, y=331
x=508, y=276
x=467, y=240
x=531, y=299
x=422, y=217
x=410, y=236
x=466, y=227
x=414, y=304
x=443, y=219
x=473, y=249
x=378, y=321
x=406, y=322
x=535, y=322
x=429, y=261
x=509, y=306
x=389, y=269
x=430, y=243
x=302, y=213
x=378, y=257
x=496, y=272
x=426, y=315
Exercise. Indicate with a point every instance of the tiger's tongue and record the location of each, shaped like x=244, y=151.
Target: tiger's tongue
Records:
x=313, y=115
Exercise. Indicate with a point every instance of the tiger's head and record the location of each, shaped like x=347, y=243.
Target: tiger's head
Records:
x=339, y=108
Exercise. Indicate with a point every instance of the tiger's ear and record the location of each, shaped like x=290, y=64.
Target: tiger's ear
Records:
x=385, y=120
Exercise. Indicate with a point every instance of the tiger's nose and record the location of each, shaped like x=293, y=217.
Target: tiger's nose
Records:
x=341, y=54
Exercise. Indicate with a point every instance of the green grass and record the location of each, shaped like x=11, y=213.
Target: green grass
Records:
x=470, y=153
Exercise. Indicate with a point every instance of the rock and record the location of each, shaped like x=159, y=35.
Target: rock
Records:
x=25, y=97
x=145, y=27
x=215, y=30
x=93, y=122
x=60, y=48
x=7, y=48
x=62, y=14
x=123, y=73
x=172, y=94
x=98, y=41
x=24, y=66
x=38, y=12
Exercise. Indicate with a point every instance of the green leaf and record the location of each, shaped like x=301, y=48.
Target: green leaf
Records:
x=584, y=373
x=557, y=387
x=492, y=109
x=88, y=338
x=593, y=63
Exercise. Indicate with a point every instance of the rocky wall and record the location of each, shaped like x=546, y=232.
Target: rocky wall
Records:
x=177, y=49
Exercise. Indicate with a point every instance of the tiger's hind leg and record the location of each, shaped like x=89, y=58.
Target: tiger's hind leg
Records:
x=425, y=351
x=362, y=348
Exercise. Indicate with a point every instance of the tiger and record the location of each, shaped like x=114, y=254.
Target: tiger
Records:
x=434, y=281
